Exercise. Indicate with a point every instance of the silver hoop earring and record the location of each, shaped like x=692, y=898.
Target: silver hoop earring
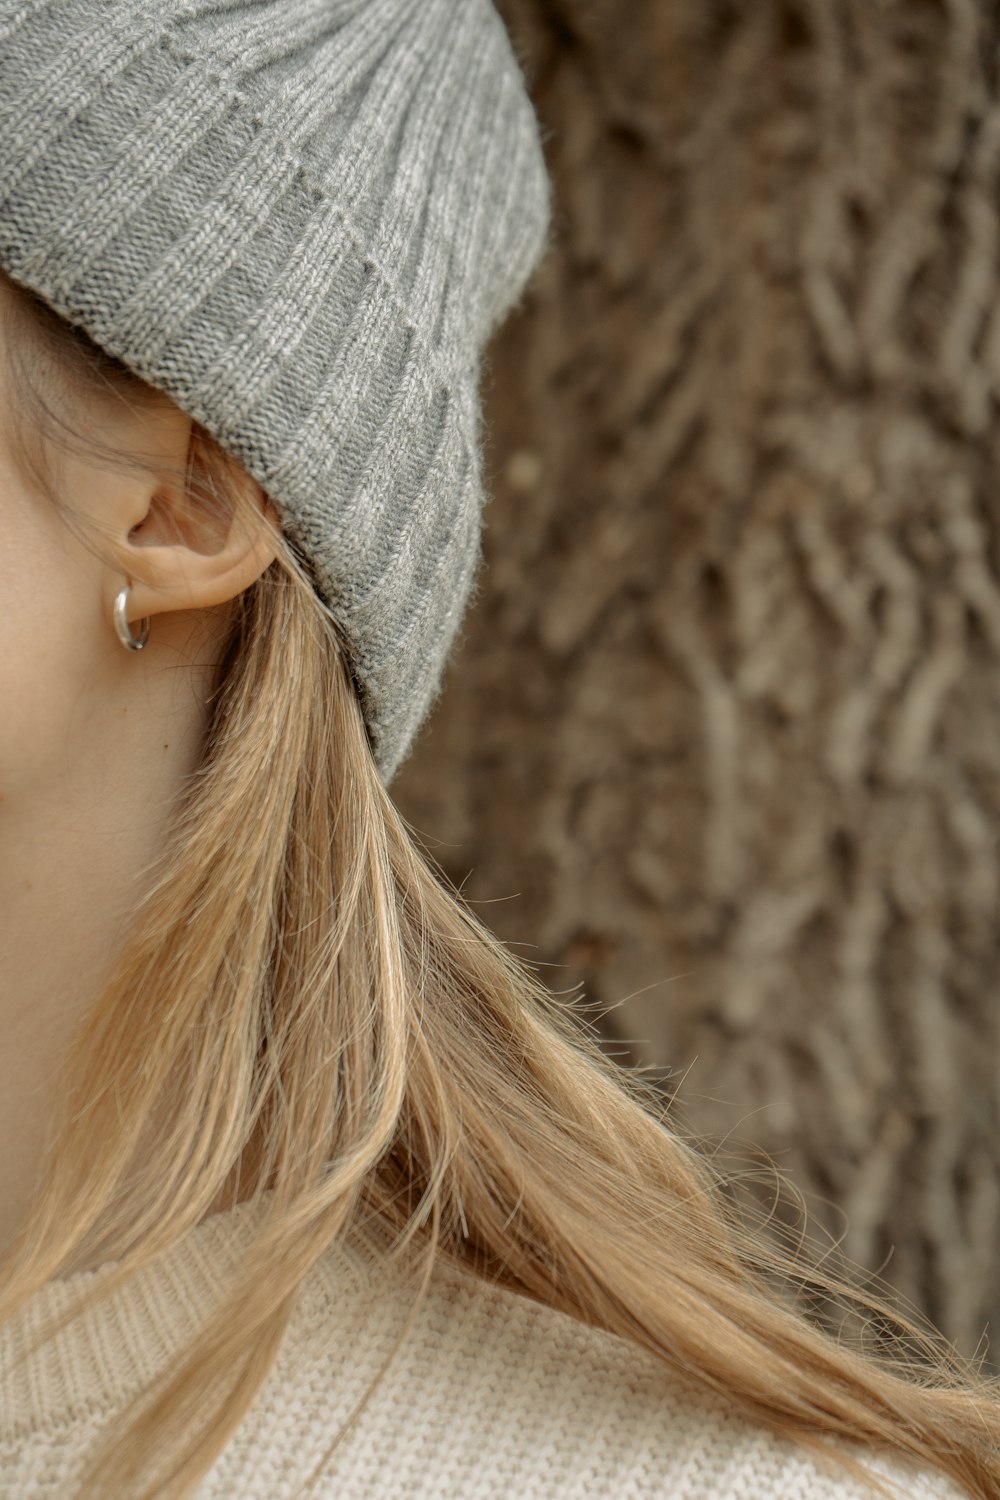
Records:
x=122, y=628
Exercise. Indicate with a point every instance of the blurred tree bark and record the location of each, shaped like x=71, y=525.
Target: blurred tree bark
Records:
x=722, y=738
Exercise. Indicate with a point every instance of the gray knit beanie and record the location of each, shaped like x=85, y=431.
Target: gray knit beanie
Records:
x=301, y=219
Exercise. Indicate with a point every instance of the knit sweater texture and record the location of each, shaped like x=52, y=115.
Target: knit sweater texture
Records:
x=491, y=1397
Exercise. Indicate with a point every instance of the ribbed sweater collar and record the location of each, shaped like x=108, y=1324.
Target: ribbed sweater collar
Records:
x=106, y=1356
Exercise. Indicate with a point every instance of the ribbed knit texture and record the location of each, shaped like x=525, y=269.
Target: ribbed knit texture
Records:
x=302, y=219
x=492, y=1397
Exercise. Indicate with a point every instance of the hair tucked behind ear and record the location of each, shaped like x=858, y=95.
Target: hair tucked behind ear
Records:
x=306, y=1010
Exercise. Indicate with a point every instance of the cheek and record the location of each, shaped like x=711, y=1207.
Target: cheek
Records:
x=51, y=640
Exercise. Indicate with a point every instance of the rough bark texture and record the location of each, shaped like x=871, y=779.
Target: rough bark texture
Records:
x=722, y=739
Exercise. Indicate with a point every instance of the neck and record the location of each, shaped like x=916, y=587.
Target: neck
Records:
x=75, y=850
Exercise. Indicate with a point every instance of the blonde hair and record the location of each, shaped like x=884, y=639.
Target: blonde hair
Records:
x=304, y=1009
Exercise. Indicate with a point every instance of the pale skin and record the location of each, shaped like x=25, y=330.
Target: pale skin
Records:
x=95, y=741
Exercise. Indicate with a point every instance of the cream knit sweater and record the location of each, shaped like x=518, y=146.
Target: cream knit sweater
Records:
x=492, y=1397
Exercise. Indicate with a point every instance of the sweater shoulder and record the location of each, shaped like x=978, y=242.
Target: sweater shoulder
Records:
x=489, y=1394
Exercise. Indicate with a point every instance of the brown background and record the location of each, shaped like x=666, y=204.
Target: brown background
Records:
x=722, y=738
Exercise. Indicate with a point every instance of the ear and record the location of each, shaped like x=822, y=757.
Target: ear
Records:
x=184, y=552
